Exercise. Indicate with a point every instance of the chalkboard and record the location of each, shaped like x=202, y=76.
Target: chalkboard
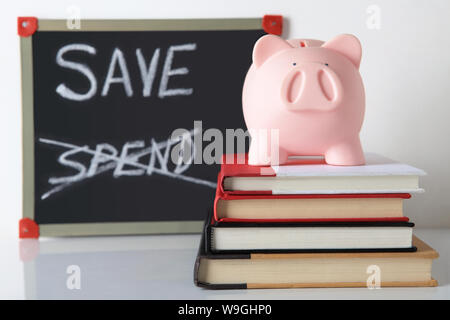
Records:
x=99, y=106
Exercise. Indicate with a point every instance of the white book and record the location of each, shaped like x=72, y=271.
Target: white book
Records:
x=311, y=238
x=378, y=175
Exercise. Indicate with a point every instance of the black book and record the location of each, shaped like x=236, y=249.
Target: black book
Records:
x=338, y=236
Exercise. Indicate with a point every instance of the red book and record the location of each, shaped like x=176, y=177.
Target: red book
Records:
x=309, y=207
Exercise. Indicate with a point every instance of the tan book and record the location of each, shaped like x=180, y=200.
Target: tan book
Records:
x=272, y=207
x=301, y=270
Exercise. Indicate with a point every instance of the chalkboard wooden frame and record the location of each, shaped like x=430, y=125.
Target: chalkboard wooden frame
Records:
x=27, y=26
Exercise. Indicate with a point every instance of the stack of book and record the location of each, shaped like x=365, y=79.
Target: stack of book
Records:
x=310, y=224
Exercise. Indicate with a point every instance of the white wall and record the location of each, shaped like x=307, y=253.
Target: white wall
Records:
x=405, y=66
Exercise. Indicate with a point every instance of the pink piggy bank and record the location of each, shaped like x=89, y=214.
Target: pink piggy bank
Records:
x=305, y=98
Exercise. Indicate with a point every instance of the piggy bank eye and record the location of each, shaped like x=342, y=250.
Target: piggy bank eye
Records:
x=326, y=64
x=294, y=63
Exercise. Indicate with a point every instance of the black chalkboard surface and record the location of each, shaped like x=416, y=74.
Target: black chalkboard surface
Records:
x=99, y=107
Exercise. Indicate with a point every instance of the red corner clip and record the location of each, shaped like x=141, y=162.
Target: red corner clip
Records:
x=26, y=26
x=28, y=229
x=273, y=24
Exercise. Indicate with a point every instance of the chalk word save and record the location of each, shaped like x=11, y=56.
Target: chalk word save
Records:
x=118, y=65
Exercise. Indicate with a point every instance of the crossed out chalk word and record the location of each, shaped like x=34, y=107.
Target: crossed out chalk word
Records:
x=105, y=157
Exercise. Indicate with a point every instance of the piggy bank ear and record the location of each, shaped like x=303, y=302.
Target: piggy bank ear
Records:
x=348, y=45
x=266, y=47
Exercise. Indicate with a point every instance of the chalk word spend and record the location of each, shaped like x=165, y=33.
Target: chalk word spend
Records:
x=105, y=157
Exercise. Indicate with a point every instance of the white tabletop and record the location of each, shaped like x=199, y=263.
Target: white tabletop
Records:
x=159, y=267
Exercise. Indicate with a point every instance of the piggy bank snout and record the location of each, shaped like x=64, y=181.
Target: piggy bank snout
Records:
x=311, y=86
